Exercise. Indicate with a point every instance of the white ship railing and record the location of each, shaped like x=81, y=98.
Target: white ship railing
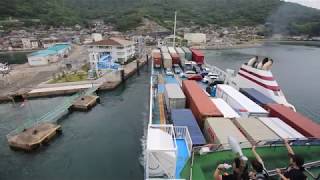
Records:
x=183, y=133
x=222, y=74
x=169, y=129
x=151, y=95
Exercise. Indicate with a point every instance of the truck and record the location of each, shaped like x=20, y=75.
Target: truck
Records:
x=174, y=97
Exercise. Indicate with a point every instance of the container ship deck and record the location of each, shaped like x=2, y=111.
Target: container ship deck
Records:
x=192, y=114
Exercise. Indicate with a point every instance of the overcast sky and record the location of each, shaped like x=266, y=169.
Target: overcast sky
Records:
x=310, y=3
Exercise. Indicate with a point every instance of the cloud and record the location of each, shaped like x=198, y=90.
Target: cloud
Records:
x=310, y=3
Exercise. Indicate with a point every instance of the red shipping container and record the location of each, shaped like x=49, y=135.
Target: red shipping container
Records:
x=156, y=58
x=175, y=58
x=199, y=103
x=296, y=120
x=197, y=56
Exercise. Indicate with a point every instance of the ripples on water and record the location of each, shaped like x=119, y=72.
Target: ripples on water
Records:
x=105, y=143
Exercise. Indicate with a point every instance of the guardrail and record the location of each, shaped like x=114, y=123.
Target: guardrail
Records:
x=182, y=132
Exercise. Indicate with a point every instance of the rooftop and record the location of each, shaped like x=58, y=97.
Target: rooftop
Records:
x=50, y=51
x=112, y=42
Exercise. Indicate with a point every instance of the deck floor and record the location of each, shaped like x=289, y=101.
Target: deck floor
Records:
x=183, y=156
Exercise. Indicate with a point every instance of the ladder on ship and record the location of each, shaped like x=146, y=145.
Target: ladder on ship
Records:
x=55, y=114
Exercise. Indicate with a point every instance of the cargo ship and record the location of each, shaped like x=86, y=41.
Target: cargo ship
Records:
x=195, y=109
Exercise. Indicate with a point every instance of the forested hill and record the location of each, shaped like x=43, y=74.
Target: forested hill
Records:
x=127, y=14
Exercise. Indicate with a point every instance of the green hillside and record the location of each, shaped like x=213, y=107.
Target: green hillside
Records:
x=127, y=14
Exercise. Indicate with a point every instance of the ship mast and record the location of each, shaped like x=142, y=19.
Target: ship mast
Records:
x=174, y=29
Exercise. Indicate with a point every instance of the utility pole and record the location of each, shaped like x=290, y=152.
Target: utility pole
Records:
x=174, y=29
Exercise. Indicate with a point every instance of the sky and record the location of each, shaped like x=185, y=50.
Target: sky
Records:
x=310, y=3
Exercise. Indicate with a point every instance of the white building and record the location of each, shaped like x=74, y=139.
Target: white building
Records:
x=120, y=50
x=49, y=55
x=195, y=38
x=30, y=43
x=96, y=37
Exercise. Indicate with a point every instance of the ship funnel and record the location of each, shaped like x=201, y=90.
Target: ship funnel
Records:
x=252, y=61
x=267, y=65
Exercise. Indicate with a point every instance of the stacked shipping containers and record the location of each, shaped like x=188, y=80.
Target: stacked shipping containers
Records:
x=184, y=117
x=217, y=131
x=281, y=128
x=199, y=103
x=182, y=55
x=256, y=96
x=175, y=99
x=243, y=105
x=164, y=49
x=167, y=61
x=197, y=56
x=174, y=55
x=188, y=53
x=255, y=130
x=296, y=120
x=156, y=55
x=224, y=108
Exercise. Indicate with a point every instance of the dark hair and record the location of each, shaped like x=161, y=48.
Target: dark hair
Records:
x=243, y=174
x=257, y=166
x=237, y=162
x=298, y=160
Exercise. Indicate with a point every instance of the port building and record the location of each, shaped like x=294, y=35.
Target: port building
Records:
x=50, y=55
x=120, y=50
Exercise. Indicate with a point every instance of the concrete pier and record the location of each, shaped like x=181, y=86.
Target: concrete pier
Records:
x=108, y=82
x=85, y=103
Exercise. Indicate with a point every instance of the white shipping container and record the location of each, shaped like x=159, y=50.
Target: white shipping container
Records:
x=281, y=128
x=256, y=131
x=174, y=97
x=239, y=102
x=167, y=60
x=224, y=108
x=181, y=54
x=164, y=49
x=155, y=51
x=217, y=131
x=172, y=50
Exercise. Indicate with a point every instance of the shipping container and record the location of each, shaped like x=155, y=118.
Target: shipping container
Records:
x=174, y=55
x=281, y=128
x=197, y=56
x=224, y=108
x=184, y=117
x=256, y=131
x=180, y=52
x=174, y=97
x=188, y=53
x=296, y=120
x=156, y=56
x=164, y=49
x=256, y=96
x=239, y=102
x=199, y=103
x=217, y=131
x=167, y=60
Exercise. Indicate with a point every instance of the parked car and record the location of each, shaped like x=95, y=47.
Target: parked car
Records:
x=182, y=75
x=209, y=79
x=169, y=72
x=196, y=77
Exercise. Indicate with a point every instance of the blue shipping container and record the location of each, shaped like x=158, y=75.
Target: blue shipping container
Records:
x=184, y=117
x=256, y=96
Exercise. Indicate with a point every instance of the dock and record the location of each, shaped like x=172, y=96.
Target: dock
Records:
x=85, y=103
x=32, y=138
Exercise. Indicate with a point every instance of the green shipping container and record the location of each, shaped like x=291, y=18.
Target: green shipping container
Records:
x=188, y=53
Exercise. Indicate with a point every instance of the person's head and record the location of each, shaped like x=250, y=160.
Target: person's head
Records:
x=257, y=166
x=240, y=168
x=297, y=160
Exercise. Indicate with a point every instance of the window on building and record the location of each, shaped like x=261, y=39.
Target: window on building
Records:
x=120, y=47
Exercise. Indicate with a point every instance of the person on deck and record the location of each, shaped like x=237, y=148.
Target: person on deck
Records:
x=259, y=171
x=240, y=171
x=295, y=169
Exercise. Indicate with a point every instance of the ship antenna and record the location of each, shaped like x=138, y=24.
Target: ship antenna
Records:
x=174, y=29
